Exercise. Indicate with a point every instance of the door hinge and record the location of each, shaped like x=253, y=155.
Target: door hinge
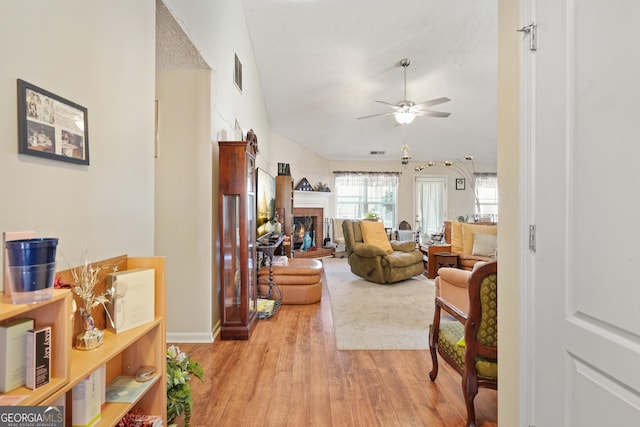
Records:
x=532, y=238
x=531, y=30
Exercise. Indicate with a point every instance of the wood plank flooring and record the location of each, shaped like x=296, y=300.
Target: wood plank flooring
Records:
x=291, y=374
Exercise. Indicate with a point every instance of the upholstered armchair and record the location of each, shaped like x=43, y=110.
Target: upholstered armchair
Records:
x=451, y=285
x=470, y=342
x=373, y=257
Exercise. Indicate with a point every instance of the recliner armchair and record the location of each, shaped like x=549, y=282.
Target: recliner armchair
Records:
x=376, y=265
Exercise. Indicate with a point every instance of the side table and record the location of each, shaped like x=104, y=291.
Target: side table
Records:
x=446, y=259
x=268, y=247
x=431, y=267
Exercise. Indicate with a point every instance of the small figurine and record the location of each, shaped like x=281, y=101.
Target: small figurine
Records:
x=252, y=139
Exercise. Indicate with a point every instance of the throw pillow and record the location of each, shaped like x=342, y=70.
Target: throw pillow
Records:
x=456, y=237
x=484, y=244
x=373, y=233
x=467, y=235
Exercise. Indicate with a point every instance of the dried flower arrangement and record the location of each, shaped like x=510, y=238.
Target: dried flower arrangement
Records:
x=85, y=279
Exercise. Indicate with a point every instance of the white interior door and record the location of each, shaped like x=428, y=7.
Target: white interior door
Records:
x=586, y=171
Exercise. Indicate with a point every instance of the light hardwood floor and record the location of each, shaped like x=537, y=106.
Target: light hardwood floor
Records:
x=291, y=374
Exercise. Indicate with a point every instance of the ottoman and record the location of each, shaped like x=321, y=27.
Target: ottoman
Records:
x=299, y=281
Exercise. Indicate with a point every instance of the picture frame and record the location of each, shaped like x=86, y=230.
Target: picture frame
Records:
x=50, y=126
x=460, y=183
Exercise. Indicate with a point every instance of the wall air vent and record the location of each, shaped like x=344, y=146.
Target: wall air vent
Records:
x=377, y=153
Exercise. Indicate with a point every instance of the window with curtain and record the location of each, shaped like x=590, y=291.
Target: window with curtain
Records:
x=358, y=193
x=431, y=202
x=487, y=196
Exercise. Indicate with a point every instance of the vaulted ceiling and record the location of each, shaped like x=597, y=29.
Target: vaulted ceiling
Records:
x=324, y=63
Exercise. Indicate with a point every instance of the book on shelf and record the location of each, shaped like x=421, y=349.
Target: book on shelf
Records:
x=126, y=389
x=13, y=353
x=38, y=357
x=86, y=396
x=134, y=298
x=101, y=383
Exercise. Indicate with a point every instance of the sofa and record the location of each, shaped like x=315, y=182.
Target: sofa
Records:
x=372, y=256
x=473, y=242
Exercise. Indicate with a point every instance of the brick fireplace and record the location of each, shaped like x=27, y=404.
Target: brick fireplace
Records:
x=300, y=217
x=314, y=211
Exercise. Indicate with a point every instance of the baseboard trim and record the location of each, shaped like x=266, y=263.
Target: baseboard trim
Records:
x=183, y=337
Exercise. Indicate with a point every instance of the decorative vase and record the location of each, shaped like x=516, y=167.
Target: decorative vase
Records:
x=306, y=241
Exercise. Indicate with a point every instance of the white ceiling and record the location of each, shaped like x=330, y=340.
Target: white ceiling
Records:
x=323, y=63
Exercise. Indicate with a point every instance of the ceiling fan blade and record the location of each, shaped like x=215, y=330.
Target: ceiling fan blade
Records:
x=432, y=113
x=388, y=103
x=377, y=115
x=431, y=102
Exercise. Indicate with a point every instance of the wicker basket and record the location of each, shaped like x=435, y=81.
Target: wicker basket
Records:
x=273, y=294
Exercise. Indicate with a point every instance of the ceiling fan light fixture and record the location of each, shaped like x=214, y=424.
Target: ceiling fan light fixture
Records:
x=404, y=117
x=405, y=157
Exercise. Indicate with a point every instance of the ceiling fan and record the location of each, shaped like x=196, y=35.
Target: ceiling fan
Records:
x=405, y=111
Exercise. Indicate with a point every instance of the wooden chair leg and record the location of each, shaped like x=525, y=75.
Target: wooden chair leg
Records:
x=433, y=343
x=470, y=390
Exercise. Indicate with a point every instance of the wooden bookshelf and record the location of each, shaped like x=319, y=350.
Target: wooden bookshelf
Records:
x=54, y=312
x=121, y=353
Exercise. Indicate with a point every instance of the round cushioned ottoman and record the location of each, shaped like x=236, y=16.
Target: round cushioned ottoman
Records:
x=299, y=281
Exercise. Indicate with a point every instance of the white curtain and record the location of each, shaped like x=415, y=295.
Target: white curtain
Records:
x=486, y=185
x=358, y=193
x=430, y=204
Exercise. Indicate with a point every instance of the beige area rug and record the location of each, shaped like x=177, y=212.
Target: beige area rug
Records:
x=369, y=316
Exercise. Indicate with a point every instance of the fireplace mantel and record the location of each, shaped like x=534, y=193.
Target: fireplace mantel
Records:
x=311, y=199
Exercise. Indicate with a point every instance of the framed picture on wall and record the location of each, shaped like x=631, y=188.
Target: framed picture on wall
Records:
x=460, y=184
x=50, y=126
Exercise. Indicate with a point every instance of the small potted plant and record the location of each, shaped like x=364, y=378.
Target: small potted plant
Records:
x=372, y=216
x=180, y=368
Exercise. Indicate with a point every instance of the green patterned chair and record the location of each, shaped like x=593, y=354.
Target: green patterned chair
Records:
x=470, y=342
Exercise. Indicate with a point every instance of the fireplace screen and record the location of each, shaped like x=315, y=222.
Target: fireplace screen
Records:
x=302, y=225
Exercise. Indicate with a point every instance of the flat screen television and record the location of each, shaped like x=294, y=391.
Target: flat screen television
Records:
x=265, y=203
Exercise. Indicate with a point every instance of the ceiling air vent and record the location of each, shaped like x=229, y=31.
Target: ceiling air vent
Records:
x=377, y=153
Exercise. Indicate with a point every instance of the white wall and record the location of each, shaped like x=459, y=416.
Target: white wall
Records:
x=510, y=227
x=184, y=201
x=303, y=162
x=100, y=55
x=218, y=30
